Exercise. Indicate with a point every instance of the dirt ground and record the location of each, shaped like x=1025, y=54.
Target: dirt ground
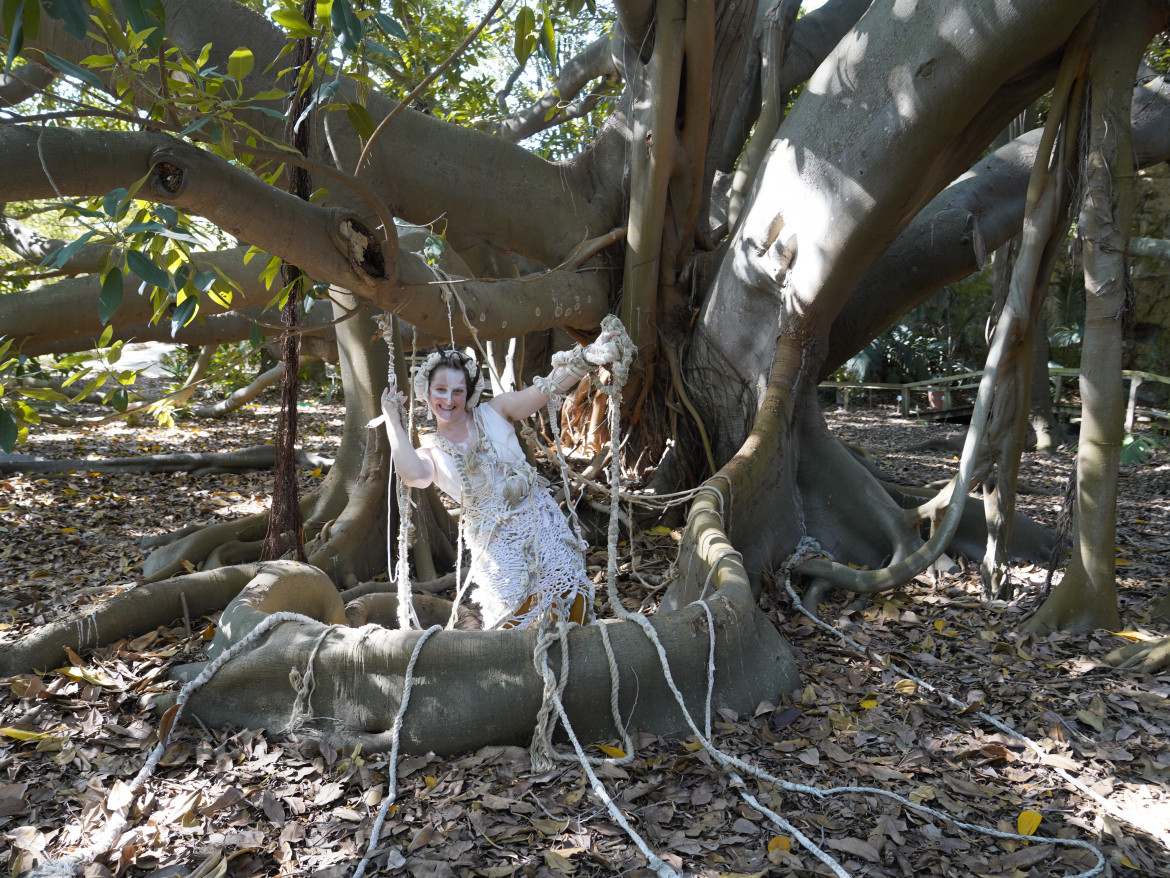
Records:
x=242, y=803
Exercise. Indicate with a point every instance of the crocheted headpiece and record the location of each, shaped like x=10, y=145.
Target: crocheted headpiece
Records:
x=450, y=359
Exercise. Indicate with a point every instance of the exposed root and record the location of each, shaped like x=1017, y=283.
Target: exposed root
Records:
x=474, y=688
x=127, y=615
x=244, y=395
x=1148, y=657
x=256, y=457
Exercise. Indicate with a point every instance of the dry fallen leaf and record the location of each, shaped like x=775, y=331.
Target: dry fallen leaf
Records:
x=1028, y=822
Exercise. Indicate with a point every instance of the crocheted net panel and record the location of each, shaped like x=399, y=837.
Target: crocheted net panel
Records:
x=521, y=545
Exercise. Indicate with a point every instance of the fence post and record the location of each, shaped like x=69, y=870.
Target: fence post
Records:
x=1134, y=383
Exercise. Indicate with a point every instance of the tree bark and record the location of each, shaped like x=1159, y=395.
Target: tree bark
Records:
x=1087, y=596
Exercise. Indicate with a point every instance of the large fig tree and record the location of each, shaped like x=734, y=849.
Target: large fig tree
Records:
x=750, y=243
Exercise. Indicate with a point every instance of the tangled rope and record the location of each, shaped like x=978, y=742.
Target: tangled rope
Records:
x=395, y=733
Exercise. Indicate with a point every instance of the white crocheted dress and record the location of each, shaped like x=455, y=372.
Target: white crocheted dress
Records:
x=521, y=545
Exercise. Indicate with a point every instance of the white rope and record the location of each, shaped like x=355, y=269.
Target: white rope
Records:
x=729, y=761
x=803, y=840
x=395, y=733
x=304, y=684
x=407, y=618
x=74, y=864
x=659, y=867
x=542, y=752
x=711, y=572
x=808, y=544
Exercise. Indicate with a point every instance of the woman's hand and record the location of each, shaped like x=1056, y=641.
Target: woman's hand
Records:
x=602, y=352
x=393, y=403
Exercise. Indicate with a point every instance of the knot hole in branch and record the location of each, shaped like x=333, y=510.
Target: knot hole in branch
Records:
x=362, y=246
x=168, y=178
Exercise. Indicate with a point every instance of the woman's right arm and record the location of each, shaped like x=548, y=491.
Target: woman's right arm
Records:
x=417, y=470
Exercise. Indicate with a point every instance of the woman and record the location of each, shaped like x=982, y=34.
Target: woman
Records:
x=525, y=558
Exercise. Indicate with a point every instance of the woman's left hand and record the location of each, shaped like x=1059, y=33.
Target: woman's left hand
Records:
x=602, y=352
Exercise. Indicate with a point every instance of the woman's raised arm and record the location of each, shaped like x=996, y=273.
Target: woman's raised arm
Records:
x=417, y=470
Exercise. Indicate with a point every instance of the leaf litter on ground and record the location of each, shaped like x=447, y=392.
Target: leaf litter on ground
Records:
x=231, y=802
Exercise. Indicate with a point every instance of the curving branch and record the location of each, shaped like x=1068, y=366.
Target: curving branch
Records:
x=24, y=82
x=34, y=316
x=554, y=107
x=31, y=246
x=330, y=244
x=498, y=309
x=636, y=20
x=487, y=190
x=813, y=37
x=244, y=395
x=973, y=216
x=422, y=86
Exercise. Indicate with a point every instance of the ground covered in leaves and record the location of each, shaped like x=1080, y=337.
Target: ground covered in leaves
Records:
x=227, y=802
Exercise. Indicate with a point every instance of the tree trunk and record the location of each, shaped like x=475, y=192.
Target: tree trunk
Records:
x=1087, y=596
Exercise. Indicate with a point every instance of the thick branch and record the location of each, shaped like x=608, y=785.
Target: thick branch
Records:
x=975, y=215
x=488, y=190
x=35, y=317
x=497, y=309
x=328, y=244
x=24, y=82
x=31, y=246
x=594, y=62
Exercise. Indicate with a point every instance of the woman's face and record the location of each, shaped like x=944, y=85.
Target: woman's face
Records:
x=447, y=395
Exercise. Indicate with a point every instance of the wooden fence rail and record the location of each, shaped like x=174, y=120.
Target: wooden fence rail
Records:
x=947, y=385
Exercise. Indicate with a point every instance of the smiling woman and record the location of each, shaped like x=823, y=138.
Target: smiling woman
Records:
x=526, y=562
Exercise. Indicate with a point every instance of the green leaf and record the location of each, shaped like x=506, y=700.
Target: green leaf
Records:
x=176, y=235
x=148, y=271
x=167, y=214
x=360, y=119
x=116, y=203
x=389, y=26
x=45, y=394
x=182, y=273
x=240, y=63
x=272, y=94
x=524, y=42
x=72, y=12
x=195, y=126
x=293, y=22
x=13, y=9
x=71, y=69
x=548, y=40
x=32, y=18
x=255, y=336
x=111, y=296
x=87, y=390
x=59, y=257
x=147, y=226
x=107, y=334
x=184, y=313
x=202, y=280
x=147, y=15
x=120, y=399
x=8, y=431
x=346, y=25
